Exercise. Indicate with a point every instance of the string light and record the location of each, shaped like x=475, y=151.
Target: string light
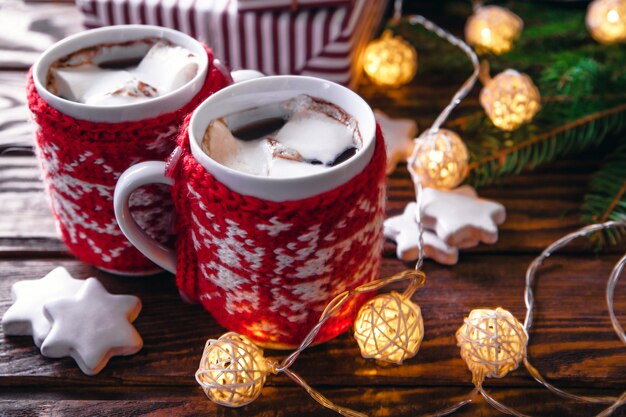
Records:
x=493, y=29
x=510, y=99
x=439, y=160
x=390, y=61
x=232, y=370
x=389, y=328
x=492, y=343
x=529, y=300
x=606, y=20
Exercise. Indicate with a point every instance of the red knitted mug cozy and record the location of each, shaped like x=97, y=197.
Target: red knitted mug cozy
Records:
x=267, y=269
x=81, y=162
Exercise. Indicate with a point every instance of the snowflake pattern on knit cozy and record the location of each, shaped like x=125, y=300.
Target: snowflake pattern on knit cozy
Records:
x=74, y=200
x=267, y=270
x=81, y=163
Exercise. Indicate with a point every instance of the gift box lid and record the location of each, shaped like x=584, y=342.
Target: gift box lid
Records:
x=264, y=5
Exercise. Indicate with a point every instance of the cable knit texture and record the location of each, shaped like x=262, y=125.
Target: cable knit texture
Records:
x=267, y=269
x=81, y=162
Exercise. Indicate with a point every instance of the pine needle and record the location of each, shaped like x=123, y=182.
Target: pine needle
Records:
x=606, y=199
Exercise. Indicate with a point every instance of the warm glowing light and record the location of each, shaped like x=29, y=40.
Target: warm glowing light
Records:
x=492, y=343
x=493, y=29
x=510, y=99
x=439, y=160
x=232, y=370
x=606, y=20
x=612, y=16
x=389, y=328
x=390, y=61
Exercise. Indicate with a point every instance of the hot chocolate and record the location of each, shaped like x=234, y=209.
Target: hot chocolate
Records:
x=122, y=73
x=297, y=137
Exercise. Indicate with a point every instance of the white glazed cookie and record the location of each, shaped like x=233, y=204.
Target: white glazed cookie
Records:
x=403, y=229
x=460, y=218
x=399, y=135
x=26, y=316
x=92, y=326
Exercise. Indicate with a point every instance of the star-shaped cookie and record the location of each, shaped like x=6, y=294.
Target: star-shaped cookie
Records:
x=460, y=217
x=92, y=326
x=26, y=316
x=404, y=230
x=399, y=135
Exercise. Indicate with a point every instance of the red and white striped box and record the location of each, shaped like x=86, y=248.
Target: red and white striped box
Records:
x=262, y=5
x=325, y=42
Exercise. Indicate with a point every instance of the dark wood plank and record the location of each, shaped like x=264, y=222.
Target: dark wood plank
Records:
x=573, y=342
x=26, y=224
x=16, y=130
x=283, y=401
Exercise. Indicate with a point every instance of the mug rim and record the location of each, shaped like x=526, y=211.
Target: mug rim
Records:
x=122, y=112
x=235, y=178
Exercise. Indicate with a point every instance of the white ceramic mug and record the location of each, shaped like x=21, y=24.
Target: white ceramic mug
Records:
x=238, y=97
x=89, y=238
x=126, y=112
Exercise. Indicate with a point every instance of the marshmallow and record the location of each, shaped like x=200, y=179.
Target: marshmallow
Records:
x=250, y=157
x=85, y=82
x=287, y=168
x=163, y=68
x=167, y=67
x=316, y=136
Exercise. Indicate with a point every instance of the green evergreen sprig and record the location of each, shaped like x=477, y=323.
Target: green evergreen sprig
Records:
x=583, y=88
x=606, y=199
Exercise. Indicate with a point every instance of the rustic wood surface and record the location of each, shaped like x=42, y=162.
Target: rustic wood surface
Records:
x=572, y=342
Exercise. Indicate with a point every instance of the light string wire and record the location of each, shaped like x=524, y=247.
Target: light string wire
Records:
x=610, y=290
x=418, y=280
x=461, y=93
x=615, y=402
x=416, y=277
x=529, y=300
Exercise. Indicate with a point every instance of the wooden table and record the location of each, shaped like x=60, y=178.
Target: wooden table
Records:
x=572, y=341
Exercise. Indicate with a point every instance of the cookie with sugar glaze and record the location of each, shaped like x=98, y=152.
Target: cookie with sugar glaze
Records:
x=92, y=327
x=404, y=230
x=460, y=217
x=26, y=317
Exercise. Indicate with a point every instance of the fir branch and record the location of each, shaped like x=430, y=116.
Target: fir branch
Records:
x=606, y=199
x=589, y=130
x=581, y=82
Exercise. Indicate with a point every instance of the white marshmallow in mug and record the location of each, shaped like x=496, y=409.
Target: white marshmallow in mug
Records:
x=314, y=135
x=163, y=69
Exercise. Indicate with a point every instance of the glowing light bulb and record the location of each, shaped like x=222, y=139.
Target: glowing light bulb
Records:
x=389, y=328
x=439, y=160
x=492, y=342
x=510, y=99
x=606, y=20
x=485, y=34
x=232, y=370
x=390, y=61
x=493, y=29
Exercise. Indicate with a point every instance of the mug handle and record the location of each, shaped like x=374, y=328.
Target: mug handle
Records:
x=152, y=172
x=143, y=173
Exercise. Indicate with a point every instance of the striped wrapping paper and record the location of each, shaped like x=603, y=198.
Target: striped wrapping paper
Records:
x=321, y=42
x=262, y=5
